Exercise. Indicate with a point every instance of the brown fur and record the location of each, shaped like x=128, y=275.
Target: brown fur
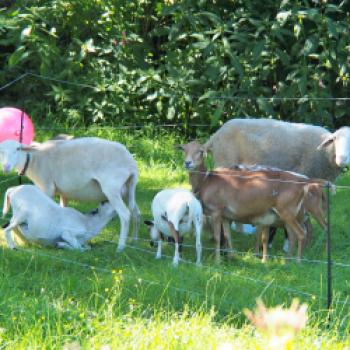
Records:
x=246, y=196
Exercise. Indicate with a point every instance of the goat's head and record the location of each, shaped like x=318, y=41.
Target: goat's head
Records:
x=341, y=141
x=194, y=154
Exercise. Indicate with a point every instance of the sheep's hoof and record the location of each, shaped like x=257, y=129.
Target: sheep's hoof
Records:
x=175, y=263
x=120, y=249
x=198, y=264
x=230, y=256
x=158, y=257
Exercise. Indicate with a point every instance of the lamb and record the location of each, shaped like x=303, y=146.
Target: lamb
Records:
x=262, y=198
x=39, y=219
x=175, y=212
x=83, y=169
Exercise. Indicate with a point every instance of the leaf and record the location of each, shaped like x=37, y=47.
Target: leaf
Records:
x=207, y=95
x=171, y=113
x=19, y=55
x=215, y=118
x=332, y=29
x=283, y=56
x=237, y=65
x=258, y=48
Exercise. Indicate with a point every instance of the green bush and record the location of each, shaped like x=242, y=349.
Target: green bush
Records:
x=174, y=61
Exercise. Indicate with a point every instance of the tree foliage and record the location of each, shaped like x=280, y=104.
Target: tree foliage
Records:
x=177, y=61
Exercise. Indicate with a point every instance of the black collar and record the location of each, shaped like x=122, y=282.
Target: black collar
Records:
x=23, y=172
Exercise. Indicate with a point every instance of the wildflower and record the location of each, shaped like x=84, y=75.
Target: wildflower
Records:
x=279, y=324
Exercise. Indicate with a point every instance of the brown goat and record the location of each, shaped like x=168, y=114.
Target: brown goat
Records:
x=315, y=202
x=262, y=198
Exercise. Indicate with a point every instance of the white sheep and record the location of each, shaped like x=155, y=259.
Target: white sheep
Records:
x=175, y=212
x=306, y=149
x=84, y=169
x=39, y=219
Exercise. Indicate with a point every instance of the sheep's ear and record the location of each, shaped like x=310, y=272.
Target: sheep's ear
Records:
x=326, y=142
x=26, y=148
x=204, y=151
x=180, y=147
x=149, y=223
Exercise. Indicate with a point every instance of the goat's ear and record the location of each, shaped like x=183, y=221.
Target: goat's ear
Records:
x=149, y=223
x=326, y=142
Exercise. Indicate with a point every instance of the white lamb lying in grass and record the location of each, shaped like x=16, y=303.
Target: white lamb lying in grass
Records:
x=37, y=218
x=175, y=212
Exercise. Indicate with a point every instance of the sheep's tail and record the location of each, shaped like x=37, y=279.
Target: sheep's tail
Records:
x=6, y=206
x=131, y=186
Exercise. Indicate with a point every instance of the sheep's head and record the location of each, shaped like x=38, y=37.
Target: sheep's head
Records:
x=153, y=232
x=341, y=141
x=105, y=209
x=9, y=154
x=194, y=154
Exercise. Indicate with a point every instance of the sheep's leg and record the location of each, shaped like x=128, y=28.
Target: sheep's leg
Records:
x=9, y=234
x=198, y=227
x=227, y=235
x=294, y=225
x=176, y=237
x=291, y=239
x=72, y=242
x=216, y=221
x=63, y=201
x=159, y=249
x=258, y=240
x=309, y=232
x=136, y=218
x=115, y=199
x=264, y=239
x=133, y=207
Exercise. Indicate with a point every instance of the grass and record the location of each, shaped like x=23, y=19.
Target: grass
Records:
x=53, y=299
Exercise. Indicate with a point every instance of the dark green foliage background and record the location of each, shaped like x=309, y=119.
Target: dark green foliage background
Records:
x=174, y=61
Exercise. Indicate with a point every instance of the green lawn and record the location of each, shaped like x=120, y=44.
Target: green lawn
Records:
x=102, y=300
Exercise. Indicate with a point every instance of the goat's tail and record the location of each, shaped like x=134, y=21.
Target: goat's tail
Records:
x=325, y=184
x=6, y=206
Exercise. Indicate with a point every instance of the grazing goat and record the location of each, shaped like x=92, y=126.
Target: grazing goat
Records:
x=37, y=218
x=84, y=169
x=262, y=198
x=175, y=212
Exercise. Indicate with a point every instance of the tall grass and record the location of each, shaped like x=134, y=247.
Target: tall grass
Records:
x=98, y=299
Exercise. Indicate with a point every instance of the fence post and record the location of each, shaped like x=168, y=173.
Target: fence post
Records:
x=329, y=257
x=21, y=139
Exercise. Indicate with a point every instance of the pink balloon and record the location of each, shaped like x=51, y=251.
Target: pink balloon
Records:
x=10, y=125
